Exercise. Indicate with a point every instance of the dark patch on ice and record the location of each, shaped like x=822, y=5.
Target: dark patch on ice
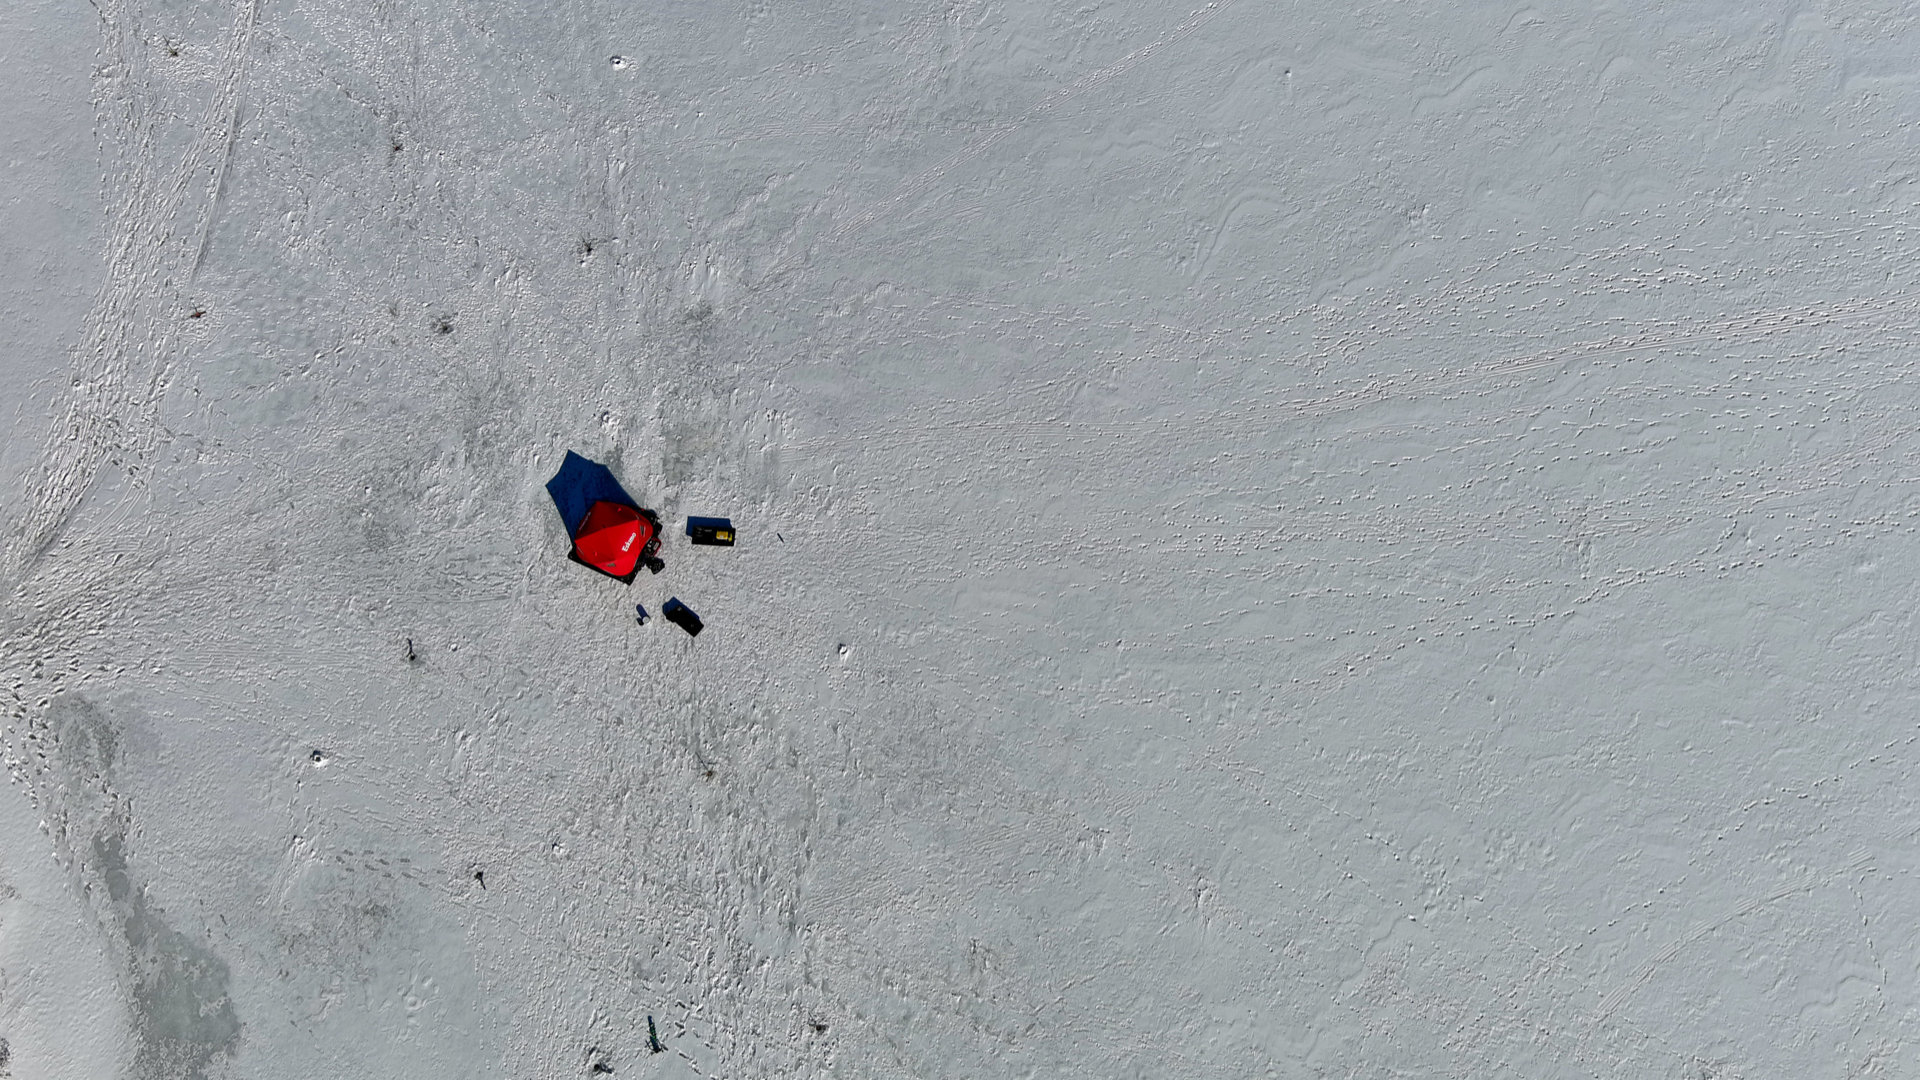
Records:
x=692, y=446
x=386, y=512
x=183, y=1018
x=6, y=1059
x=443, y=325
x=87, y=742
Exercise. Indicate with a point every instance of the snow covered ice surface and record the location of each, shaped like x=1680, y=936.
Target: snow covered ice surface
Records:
x=1275, y=541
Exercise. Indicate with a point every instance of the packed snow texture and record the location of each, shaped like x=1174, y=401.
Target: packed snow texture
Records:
x=1288, y=541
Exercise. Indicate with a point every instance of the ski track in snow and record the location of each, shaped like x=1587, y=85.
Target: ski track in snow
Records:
x=160, y=222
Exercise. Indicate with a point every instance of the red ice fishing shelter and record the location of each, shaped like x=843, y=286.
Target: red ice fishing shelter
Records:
x=610, y=532
x=612, y=538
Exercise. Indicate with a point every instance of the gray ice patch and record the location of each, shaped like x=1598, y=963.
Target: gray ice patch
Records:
x=183, y=1017
x=182, y=1014
x=691, y=448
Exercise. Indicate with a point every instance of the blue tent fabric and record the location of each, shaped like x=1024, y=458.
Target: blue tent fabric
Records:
x=579, y=484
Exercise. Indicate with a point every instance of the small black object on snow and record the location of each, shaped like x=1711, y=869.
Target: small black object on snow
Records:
x=710, y=531
x=682, y=616
x=653, y=1037
x=640, y=614
x=653, y=563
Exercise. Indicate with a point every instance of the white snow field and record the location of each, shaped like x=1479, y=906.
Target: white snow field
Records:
x=1277, y=540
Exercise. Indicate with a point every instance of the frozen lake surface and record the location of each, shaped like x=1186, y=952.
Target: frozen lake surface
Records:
x=1275, y=541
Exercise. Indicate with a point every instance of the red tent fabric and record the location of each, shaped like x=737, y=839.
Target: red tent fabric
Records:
x=612, y=538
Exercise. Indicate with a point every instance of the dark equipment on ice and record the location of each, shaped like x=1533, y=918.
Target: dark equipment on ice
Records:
x=682, y=616
x=611, y=532
x=640, y=614
x=710, y=531
x=653, y=1038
